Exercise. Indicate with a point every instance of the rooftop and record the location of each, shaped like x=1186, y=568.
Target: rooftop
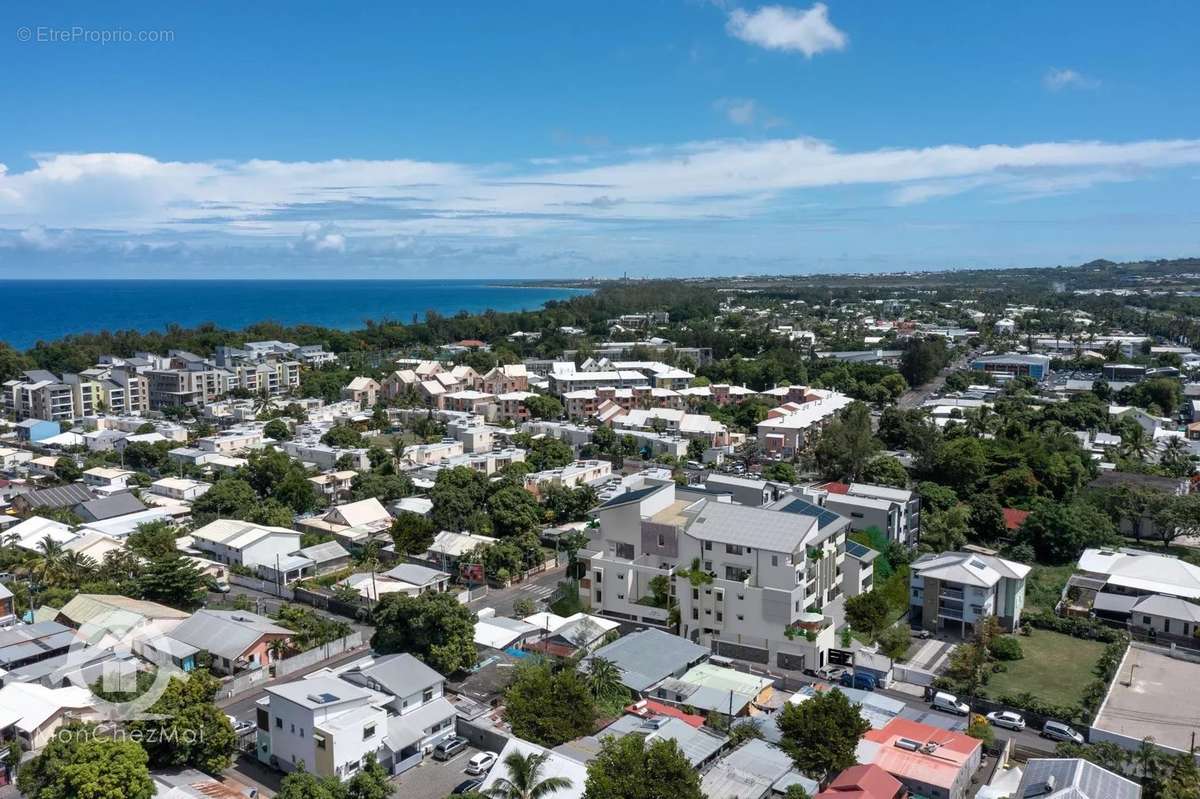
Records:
x=1146, y=700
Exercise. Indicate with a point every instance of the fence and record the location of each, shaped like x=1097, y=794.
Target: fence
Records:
x=262, y=586
x=314, y=656
x=242, y=682
x=912, y=675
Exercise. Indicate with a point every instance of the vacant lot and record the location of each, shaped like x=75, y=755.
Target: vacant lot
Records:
x=1044, y=586
x=1056, y=668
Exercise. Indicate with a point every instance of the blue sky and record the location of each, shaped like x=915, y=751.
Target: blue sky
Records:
x=573, y=139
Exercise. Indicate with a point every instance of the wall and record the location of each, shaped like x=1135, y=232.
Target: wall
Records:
x=314, y=656
x=261, y=585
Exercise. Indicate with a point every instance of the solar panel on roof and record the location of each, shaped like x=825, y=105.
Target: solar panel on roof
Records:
x=856, y=549
x=803, y=508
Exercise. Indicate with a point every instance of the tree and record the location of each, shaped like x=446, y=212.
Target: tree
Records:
x=172, y=580
x=152, y=539
x=541, y=406
x=923, y=358
x=780, y=473
x=412, y=533
x=945, y=531
x=628, y=768
x=986, y=519
x=296, y=492
x=1177, y=516
x=513, y=511
x=886, y=470
x=867, y=612
x=794, y=791
x=371, y=781
x=936, y=497
x=277, y=429
x=548, y=453
x=66, y=470
x=894, y=641
x=192, y=730
x=342, y=436
x=456, y=494
x=846, y=445
x=434, y=627
x=78, y=763
x=980, y=729
x=1060, y=532
x=548, y=707
x=604, y=679
x=696, y=449
x=523, y=778
x=229, y=498
x=300, y=784
x=821, y=735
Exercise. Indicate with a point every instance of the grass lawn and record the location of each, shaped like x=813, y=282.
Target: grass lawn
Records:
x=1056, y=668
x=1044, y=586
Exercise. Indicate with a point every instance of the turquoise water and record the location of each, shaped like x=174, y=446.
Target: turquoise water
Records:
x=33, y=310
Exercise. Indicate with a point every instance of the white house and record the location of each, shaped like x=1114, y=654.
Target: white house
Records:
x=238, y=543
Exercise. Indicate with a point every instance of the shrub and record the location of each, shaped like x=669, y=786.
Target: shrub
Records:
x=1006, y=647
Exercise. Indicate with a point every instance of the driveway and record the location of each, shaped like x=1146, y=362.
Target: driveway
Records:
x=537, y=588
x=434, y=779
x=931, y=656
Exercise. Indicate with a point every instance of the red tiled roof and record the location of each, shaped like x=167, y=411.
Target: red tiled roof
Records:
x=836, y=488
x=863, y=782
x=648, y=707
x=1013, y=518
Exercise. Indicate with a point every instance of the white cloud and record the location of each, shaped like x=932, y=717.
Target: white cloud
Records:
x=1059, y=79
x=74, y=201
x=790, y=29
x=740, y=111
x=322, y=238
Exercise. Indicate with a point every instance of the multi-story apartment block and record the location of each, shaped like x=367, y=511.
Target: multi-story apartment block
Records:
x=40, y=395
x=957, y=590
x=789, y=429
x=896, y=512
x=751, y=582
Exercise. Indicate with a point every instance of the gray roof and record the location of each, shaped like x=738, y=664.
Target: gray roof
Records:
x=1168, y=606
x=227, y=633
x=647, y=656
x=748, y=771
x=698, y=744
x=723, y=523
x=399, y=675
x=1074, y=778
x=417, y=575
x=632, y=496
x=324, y=552
x=410, y=728
x=58, y=496
x=34, y=641
x=97, y=510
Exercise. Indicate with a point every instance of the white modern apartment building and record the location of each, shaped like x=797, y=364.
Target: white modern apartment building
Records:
x=790, y=428
x=324, y=724
x=957, y=590
x=238, y=543
x=896, y=512
x=751, y=582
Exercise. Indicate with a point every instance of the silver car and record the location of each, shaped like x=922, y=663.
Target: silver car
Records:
x=1057, y=731
x=1007, y=719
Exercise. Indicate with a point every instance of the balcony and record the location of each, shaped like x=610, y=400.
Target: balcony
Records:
x=951, y=593
x=952, y=613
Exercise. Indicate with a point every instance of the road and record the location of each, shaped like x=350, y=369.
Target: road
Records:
x=914, y=397
x=242, y=705
x=536, y=588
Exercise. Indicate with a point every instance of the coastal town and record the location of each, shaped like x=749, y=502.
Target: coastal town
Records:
x=930, y=536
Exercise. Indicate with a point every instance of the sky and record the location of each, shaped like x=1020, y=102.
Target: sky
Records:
x=536, y=139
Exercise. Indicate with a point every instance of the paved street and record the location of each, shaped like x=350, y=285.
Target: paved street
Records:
x=538, y=588
x=242, y=705
x=914, y=397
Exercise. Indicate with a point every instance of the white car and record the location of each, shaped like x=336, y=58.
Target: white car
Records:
x=481, y=763
x=1007, y=719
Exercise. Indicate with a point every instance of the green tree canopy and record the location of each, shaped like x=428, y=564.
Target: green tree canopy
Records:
x=548, y=707
x=821, y=735
x=80, y=763
x=628, y=768
x=434, y=627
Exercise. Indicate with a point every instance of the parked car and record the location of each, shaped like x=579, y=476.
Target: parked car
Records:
x=859, y=679
x=449, y=747
x=948, y=703
x=1007, y=719
x=1057, y=731
x=921, y=633
x=465, y=787
x=481, y=763
x=831, y=673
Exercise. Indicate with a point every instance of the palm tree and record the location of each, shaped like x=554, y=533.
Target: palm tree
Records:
x=1148, y=760
x=278, y=648
x=77, y=567
x=603, y=678
x=47, y=565
x=522, y=781
x=1134, y=442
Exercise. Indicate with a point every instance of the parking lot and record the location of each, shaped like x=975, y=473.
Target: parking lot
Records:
x=434, y=779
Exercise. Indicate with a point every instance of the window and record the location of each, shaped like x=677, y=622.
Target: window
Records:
x=720, y=616
x=740, y=617
x=695, y=614
x=427, y=696
x=741, y=597
x=733, y=549
x=264, y=719
x=708, y=565
x=855, y=515
x=708, y=545
x=368, y=731
x=1146, y=620
x=662, y=540
x=695, y=593
x=278, y=723
x=774, y=560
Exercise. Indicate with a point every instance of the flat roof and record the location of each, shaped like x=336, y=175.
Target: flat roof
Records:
x=1150, y=697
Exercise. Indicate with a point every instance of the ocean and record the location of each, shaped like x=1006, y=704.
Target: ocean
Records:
x=43, y=310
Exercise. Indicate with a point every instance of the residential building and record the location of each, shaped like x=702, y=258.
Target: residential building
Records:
x=1073, y=778
x=745, y=490
x=893, y=511
x=647, y=657
x=334, y=486
x=791, y=428
x=238, y=543
x=957, y=590
x=40, y=395
x=23, y=644
x=864, y=782
x=1154, y=593
x=362, y=390
x=34, y=431
x=755, y=770
x=323, y=723
x=574, y=474
x=35, y=712
x=179, y=489
x=64, y=496
x=235, y=640
x=928, y=761
x=506, y=379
